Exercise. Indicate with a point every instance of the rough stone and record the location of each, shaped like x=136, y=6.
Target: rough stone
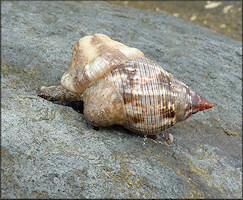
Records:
x=49, y=151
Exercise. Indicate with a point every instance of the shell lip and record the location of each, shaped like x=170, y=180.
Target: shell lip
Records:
x=67, y=83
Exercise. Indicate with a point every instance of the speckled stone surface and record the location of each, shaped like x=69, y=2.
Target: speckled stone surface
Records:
x=50, y=151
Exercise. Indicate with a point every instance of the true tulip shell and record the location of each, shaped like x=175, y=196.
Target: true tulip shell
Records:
x=118, y=85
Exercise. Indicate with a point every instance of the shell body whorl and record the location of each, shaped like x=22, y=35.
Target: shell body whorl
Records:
x=146, y=90
x=154, y=100
x=142, y=97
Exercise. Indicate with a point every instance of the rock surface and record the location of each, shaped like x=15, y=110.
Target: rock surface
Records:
x=49, y=150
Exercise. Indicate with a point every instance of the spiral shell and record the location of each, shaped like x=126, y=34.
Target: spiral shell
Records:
x=118, y=85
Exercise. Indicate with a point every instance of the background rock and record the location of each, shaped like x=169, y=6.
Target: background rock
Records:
x=215, y=15
x=49, y=150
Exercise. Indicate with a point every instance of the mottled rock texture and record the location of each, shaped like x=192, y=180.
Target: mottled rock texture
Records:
x=48, y=150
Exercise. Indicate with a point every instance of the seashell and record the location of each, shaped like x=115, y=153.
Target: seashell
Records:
x=118, y=85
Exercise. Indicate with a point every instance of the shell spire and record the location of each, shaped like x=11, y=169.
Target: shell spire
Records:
x=199, y=104
x=186, y=101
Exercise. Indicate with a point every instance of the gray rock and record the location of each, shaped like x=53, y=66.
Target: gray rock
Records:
x=49, y=150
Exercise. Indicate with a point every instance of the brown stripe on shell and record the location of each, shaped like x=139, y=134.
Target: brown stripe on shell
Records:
x=182, y=100
x=95, y=39
x=188, y=109
x=170, y=103
x=81, y=61
x=166, y=82
x=162, y=113
x=152, y=89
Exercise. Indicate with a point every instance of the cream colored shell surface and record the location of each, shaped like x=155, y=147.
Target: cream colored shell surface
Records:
x=93, y=57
